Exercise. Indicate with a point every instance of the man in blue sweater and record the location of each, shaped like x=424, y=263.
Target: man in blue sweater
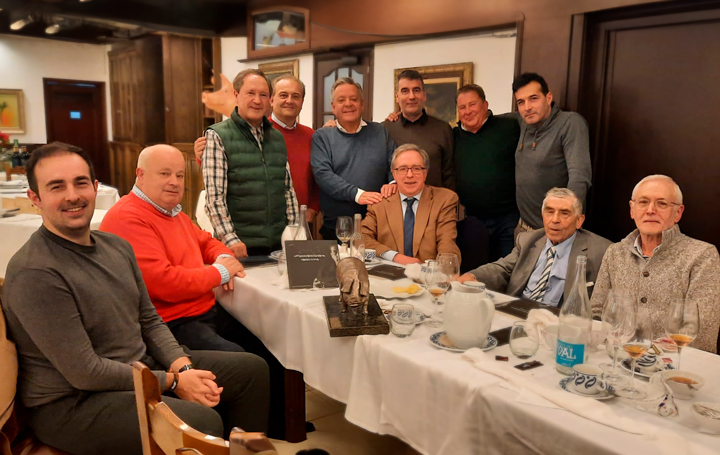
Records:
x=351, y=161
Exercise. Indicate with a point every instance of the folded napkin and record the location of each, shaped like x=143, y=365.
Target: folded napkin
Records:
x=413, y=271
x=668, y=442
x=536, y=320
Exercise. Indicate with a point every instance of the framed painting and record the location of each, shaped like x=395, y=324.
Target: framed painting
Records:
x=441, y=84
x=275, y=69
x=12, y=111
x=277, y=31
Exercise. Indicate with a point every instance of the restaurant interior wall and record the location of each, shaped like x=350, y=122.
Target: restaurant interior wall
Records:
x=493, y=59
x=26, y=61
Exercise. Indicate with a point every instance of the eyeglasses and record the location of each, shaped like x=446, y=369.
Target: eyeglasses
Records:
x=415, y=169
x=660, y=204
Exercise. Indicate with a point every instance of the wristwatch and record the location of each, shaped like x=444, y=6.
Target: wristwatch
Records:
x=174, y=384
x=185, y=368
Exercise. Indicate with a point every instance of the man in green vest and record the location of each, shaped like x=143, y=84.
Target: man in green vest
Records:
x=250, y=194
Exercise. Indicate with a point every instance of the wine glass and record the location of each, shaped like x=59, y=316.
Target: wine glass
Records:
x=618, y=326
x=682, y=323
x=522, y=345
x=344, y=230
x=636, y=346
x=450, y=264
x=437, y=283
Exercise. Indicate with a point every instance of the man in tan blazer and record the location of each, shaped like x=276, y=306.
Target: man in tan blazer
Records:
x=542, y=265
x=417, y=222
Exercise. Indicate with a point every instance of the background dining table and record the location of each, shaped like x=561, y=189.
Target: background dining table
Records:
x=433, y=399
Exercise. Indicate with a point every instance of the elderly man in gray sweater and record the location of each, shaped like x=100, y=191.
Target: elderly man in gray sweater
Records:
x=658, y=264
x=553, y=151
x=351, y=161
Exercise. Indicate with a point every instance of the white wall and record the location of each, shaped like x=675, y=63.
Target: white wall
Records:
x=493, y=56
x=26, y=61
x=234, y=49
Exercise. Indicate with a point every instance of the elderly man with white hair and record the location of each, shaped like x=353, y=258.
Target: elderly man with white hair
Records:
x=539, y=266
x=658, y=264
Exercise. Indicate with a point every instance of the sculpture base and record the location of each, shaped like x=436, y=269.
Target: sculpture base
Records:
x=349, y=324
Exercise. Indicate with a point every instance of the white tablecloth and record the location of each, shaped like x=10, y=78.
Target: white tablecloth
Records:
x=107, y=196
x=430, y=398
x=16, y=230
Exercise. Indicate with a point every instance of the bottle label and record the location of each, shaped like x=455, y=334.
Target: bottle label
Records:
x=569, y=355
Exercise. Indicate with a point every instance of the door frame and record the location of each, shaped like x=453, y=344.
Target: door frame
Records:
x=104, y=167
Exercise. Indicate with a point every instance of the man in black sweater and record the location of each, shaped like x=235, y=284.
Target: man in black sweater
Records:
x=78, y=310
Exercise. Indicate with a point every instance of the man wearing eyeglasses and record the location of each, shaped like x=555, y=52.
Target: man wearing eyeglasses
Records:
x=658, y=264
x=417, y=222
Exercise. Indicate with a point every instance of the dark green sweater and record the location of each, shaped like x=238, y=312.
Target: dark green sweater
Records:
x=485, y=166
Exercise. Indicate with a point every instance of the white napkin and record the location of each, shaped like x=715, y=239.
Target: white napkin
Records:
x=668, y=442
x=536, y=320
x=283, y=282
x=413, y=271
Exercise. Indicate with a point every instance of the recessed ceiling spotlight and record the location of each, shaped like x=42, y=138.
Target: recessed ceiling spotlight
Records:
x=83, y=1
x=53, y=29
x=19, y=24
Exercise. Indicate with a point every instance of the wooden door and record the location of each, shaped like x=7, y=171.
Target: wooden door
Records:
x=182, y=71
x=650, y=93
x=356, y=63
x=75, y=114
x=123, y=93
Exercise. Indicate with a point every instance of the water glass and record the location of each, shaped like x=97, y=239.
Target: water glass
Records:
x=521, y=344
x=282, y=264
x=402, y=320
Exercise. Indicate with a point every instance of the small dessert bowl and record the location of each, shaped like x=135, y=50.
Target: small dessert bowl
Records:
x=707, y=415
x=682, y=383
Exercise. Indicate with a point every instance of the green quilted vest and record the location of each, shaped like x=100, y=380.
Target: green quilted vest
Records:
x=255, y=181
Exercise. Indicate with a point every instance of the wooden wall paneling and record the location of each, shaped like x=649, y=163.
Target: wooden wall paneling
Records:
x=182, y=73
x=217, y=70
x=123, y=160
x=151, y=93
x=122, y=89
x=193, y=179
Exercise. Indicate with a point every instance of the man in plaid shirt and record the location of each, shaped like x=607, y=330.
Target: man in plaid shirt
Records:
x=250, y=194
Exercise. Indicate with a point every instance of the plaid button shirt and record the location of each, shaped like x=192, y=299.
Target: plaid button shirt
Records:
x=214, y=168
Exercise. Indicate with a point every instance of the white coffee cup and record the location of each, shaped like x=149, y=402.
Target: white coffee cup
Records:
x=586, y=379
x=370, y=254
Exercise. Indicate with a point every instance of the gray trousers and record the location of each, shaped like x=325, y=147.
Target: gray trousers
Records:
x=106, y=423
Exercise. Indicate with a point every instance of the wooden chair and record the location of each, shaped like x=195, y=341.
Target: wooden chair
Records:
x=164, y=433
x=9, y=170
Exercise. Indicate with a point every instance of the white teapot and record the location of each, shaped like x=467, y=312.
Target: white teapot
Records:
x=468, y=315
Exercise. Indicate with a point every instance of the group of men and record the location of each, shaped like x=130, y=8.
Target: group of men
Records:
x=81, y=305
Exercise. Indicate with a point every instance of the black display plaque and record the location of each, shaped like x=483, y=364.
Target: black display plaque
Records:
x=349, y=324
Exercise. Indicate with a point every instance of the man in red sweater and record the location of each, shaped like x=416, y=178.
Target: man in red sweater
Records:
x=287, y=99
x=172, y=252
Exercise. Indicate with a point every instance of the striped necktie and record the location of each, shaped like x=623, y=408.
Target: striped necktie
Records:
x=542, y=283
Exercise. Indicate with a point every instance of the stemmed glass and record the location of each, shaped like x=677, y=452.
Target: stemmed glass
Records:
x=437, y=282
x=344, y=230
x=636, y=346
x=618, y=326
x=682, y=323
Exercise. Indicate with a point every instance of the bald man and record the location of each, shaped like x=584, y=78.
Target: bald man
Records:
x=180, y=263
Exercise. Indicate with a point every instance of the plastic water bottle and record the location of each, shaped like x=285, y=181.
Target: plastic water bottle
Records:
x=575, y=323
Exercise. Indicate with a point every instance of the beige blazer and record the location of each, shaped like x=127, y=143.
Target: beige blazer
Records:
x=435, y=224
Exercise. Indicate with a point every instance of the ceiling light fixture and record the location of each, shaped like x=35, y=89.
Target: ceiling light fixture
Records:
x=19, y=24
x=84, y=1
x=52, y=29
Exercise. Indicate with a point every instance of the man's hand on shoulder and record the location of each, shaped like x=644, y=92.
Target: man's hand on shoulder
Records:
x=393, y=116
x=199, y=147
x=239, y=250
x=370, y=198
x=332, y=123
x=388, y=189
x=466, y=277
x=198, y=386
x=234, y=268
x=402, y=259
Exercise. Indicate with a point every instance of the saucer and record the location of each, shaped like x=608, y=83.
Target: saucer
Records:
x=441, y=340
x=419, y=316
x=275, y=254
x=604, y=395
x=374, y=261
x=627, y=363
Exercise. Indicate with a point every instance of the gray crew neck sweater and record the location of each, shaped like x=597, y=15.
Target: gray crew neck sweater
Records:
x=555, y=153
x=344, y=162
x=80, y=315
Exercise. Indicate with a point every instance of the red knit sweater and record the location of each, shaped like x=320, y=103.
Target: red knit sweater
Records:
x=298, y=141
x=171, y=253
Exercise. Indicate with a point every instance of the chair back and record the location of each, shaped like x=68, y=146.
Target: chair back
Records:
x=202, y=219
x=164, y=433
x=473, y=240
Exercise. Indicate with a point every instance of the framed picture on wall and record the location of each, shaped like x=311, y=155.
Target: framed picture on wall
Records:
x=277, y=31
x=12, y=111
x=441, y=84
x=275, y=69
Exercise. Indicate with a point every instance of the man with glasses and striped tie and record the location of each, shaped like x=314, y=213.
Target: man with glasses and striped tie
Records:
x=541, y=261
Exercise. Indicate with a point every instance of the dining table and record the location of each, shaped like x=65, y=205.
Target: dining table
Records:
x=442, y=402
x=106, y=197
x=16, y=230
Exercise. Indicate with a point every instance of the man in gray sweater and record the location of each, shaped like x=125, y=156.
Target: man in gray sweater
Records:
x=351, y=161
x=553, y=151
x=78, y=310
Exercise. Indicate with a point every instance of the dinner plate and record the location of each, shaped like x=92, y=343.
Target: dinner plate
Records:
x=604, y=395
x=384, y=289
x=441, y=340
x=627, y=363
x=275, y=254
